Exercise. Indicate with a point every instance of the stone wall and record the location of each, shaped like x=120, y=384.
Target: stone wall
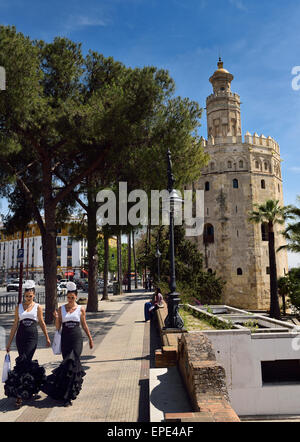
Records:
x=204, y=378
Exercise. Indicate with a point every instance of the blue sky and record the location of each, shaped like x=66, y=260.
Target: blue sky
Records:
x=257, y=39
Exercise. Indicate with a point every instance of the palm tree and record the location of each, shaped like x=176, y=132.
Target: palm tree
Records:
x=292, y=232
x=271, y=213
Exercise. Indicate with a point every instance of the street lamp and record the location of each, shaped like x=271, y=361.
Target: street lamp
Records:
x=173, y=319
x=158, y=255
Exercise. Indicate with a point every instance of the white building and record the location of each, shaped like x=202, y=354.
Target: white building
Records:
x=70, y=254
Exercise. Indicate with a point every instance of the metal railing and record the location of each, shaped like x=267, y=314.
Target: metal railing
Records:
x=8, y=302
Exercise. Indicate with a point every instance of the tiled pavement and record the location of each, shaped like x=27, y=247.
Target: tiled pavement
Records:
x=115, y=388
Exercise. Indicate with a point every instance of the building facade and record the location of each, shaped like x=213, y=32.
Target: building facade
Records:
x=241, y=172
x=71, y=254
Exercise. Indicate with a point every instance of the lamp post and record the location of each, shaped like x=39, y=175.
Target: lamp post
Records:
x=158, y=255
x=173, y=319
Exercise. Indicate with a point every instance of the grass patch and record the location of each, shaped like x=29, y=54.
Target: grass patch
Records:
x=191, y=322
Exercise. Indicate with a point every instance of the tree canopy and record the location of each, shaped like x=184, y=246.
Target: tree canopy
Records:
x=65, y=117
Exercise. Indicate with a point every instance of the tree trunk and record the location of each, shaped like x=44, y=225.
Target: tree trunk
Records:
x=92, y=304
x=274, y=301
x=134, y=261
x=119, y=258
x=50, y=264
x=21, y=270
x=129, y=263
x=105, y=270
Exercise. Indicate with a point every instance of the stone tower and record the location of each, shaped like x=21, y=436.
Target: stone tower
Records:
x=239, y=174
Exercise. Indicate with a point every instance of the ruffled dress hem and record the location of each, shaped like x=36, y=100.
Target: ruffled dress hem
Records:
x=25, y=380
x=65, y=382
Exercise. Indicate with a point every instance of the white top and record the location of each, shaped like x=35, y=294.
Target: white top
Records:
x=74, y=316
x=23, y=314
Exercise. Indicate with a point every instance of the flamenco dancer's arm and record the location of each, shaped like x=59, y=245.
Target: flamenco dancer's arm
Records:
x=43, y=325
x=13, y=329
x=58, y=318
x=85, y=327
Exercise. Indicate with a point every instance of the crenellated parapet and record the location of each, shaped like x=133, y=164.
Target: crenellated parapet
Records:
x=255, y=140
x=222, y=94
x=261, y=141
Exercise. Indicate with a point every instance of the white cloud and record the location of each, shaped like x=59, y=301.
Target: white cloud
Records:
x=295, y=169
x=76, y=22
x=238, y=4
x=89, y=21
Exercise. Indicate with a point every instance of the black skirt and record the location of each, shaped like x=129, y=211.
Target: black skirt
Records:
x=71, y=339
x=27, y=377
x=65, y=382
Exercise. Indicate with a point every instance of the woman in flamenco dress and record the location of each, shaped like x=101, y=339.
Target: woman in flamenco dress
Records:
x=65, y=382
x=27, y=377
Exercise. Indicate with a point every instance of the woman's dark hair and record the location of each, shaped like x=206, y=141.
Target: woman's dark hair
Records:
x=72, y=291
x=30, y=290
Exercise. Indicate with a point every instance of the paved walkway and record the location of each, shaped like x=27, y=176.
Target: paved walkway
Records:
x=116, y=385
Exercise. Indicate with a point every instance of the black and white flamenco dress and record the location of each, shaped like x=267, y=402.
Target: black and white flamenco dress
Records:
x=65, y=382
x=27, y=377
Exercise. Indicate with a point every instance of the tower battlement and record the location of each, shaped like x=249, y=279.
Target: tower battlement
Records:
x=222, y=94
x=255, y=140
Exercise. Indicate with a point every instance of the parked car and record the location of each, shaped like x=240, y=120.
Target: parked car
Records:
x=63, y=281
x=13, y=285
x=61, y=289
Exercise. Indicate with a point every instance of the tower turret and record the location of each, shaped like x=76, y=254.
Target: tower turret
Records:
x=223, y=106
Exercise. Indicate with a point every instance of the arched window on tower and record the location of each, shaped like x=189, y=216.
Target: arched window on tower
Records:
x=229, y=165
x=207, y=186
x=235, y=183
x=241, y=164
x=263, y=184
x=266, y=165
x=265, y=232
x=209, y=271
x=239, y=271
x=208, y=234
x=256, y=164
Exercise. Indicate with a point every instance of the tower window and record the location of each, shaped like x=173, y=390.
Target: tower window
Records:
x=264, y=232
x=208, y=234
x=241, y=164
x=239, y=271
x=235, y=183
x=212, y=166
x=263, y=184
x=207, y=186
x=257, y=164
x=229, y=165
x=209, y=270
x=267, y=270
x=222, y=88
x=266, y=166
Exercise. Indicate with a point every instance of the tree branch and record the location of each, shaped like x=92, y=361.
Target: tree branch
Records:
x=79, y=200
x=29, y=197
x=69, y=187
